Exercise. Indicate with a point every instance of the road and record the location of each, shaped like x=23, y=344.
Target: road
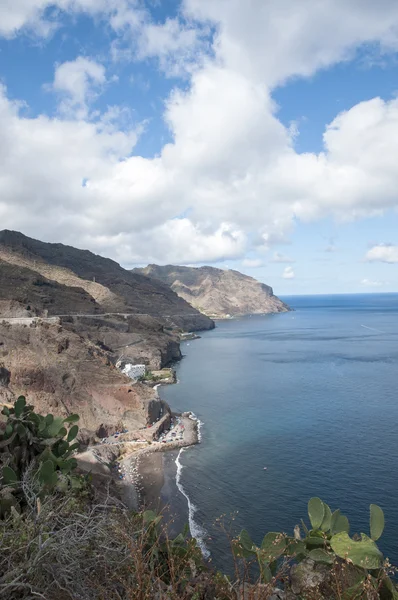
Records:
x=55, y=318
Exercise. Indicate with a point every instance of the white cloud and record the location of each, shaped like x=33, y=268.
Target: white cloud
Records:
x=271, y=41
x=176, y=43
x=178, y=46
x=386, y=253
x=78, y=82
x=371, y=283
x=231, y=166
x=288, y=273
x=278, y=257
x=42, y=16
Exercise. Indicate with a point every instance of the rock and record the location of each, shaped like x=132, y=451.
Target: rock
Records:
x=308, y=577
x=5, y=377
x=217, y=293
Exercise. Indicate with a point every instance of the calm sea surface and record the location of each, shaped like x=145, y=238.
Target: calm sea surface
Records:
x=313, y=396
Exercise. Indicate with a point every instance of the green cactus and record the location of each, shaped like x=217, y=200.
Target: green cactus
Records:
x=19, y=406
x=72, y=419
x=327, y=519
x=273, y=546
x=73, y=431
x=246, y=541
x=363, y=553
x=47, y=475
x=339, y=523
x=9, y=476
x=44, y=440
x=319, y=555
x=376, y=522
x=316, y=512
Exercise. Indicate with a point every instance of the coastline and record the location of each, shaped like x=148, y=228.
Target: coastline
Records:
x=143, y=469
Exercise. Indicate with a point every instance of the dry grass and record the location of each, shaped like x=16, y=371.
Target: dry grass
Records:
x=87, y=546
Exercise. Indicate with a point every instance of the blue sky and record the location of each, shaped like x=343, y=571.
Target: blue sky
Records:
x=258, y=137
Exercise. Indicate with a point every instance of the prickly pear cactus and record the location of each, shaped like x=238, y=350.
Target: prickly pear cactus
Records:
x=363, y=553
x=45, y=441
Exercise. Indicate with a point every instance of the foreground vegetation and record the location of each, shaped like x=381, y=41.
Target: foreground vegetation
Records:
x=63, y=537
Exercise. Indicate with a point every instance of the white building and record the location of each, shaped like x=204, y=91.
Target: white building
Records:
x=134, y=371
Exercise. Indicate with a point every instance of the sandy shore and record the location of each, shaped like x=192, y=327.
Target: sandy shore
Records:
x=142, y=470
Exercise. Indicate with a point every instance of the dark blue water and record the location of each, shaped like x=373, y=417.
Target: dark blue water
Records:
x=311, y=395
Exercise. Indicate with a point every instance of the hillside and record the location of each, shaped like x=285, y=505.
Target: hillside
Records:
x=25, y=293
x=99, y=314
x=218, y=293
x=113, y=288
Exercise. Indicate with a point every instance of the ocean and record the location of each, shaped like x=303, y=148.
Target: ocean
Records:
x=312, y=396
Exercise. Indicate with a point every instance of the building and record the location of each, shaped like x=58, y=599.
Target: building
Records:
x=134, y=371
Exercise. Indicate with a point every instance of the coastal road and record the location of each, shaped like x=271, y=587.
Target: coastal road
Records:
x=55, y=318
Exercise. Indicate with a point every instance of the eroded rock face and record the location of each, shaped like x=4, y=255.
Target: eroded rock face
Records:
x=80, y=379
x=218, y=292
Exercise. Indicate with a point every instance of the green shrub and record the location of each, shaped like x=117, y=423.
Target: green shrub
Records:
x=326, y=542
x=38, y=448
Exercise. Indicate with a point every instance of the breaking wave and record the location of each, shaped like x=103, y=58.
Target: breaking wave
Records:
x=197, y=532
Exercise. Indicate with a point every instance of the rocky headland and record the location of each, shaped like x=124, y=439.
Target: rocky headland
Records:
x=217, y=293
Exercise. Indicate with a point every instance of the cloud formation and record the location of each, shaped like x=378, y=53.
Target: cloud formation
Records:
x=386, y=253
x=288, y=273
x=231, y=167
x=78, y=82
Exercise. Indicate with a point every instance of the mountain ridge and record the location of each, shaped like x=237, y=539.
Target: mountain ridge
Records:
x=218, y=293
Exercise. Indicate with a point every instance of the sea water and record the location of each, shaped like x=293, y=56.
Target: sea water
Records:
x=293, y=405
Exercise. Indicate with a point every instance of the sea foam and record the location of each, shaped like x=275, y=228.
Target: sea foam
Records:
x=197, y=532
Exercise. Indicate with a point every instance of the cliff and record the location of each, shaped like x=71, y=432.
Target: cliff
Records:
x=218, y=293
x=65, y=373
x=93, y=313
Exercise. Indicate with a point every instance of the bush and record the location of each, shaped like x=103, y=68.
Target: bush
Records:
x=35, y=453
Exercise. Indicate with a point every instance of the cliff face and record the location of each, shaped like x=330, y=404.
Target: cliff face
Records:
x=102, y=313
x=62, y=372
x=218, y=293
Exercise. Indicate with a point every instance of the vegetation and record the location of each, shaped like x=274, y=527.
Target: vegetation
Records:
x=354, y=566
x=35, y=447
x=64, y=537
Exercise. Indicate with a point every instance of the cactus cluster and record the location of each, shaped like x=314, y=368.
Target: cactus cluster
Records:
x=46, y=441
x=326, y=541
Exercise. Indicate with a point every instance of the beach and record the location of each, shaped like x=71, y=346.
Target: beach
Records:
x=142, y=469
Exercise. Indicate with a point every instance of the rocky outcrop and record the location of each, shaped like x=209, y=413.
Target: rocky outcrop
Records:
x=63, y=372
x=218, y=293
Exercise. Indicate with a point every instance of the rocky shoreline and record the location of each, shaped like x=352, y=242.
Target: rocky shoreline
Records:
x=137, y=467
x=144, y=470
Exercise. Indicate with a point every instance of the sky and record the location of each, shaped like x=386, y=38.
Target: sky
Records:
x=258, y=135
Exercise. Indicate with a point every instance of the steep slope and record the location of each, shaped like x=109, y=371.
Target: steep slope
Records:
x=218, y=293
x=113, y=288
x=100, y=313
x=25, y=293
x=62, y=372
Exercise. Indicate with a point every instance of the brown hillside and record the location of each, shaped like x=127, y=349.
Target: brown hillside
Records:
x=216, y=292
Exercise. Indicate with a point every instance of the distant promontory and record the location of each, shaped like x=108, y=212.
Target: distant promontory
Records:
x=218, y=293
